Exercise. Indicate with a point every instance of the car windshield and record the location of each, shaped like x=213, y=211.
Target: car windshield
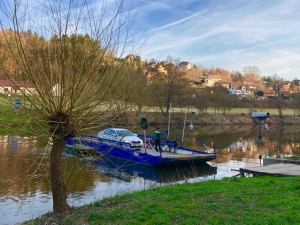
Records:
x=124, y=133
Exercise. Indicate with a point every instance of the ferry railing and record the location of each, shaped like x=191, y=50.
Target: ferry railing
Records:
x=92, y=141
x=174, y=144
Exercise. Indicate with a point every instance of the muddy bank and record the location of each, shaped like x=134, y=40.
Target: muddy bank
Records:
x=159, y=119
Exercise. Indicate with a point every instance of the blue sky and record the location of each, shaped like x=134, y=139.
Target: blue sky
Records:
x=230, y=34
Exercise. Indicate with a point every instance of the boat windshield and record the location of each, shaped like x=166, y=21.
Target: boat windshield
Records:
x=124, y=133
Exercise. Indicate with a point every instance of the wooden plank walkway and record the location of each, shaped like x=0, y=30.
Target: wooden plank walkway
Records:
x=278, y=170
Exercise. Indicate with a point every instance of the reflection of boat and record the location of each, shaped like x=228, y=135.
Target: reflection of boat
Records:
x=119, y=169
x=168, y=157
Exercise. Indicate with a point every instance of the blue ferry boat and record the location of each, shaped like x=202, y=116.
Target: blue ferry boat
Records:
x=170, y=154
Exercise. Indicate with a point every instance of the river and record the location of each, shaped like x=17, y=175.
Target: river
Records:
x=25, y=190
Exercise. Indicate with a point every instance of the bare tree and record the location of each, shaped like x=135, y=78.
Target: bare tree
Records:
x=218, y=96
x=277, y=85
x=166, y=86
x=71, y=75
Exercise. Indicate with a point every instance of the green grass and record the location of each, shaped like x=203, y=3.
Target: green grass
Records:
x=262, y=200
x=12, y=122
x=295, y=157
x=233, y=111
x=239, y=111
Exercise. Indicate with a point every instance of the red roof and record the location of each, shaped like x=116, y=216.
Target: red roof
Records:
x=286, y=87
x=227, y=82
x=268, y=91
x=8, y=83
x=216, y=77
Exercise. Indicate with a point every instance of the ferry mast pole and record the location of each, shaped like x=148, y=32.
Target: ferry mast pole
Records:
x=191, y=126
x=183, y=126
x=169, y=121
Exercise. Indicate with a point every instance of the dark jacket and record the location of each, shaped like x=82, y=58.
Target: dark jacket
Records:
x=157, y=134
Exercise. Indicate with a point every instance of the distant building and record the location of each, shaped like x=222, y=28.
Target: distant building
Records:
x=56, y=90
x=161, y=68
x=285, y=87
x=267, y=92
x=227, y=84
x=241, y=90
x=130, y=58
x=16, y=88
x=211, y=80
x=152, y=65
x=185, y=65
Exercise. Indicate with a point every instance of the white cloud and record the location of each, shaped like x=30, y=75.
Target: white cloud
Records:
x=232, y=34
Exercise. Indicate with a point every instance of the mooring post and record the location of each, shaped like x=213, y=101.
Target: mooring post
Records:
x=242, y=173
x=259, y=135
x=145, y=141
x=260, y=158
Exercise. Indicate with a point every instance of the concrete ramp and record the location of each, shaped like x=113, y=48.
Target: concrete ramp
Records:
x=277, y=170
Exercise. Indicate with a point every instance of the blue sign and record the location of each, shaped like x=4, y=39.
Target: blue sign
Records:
x=15, y=144
x=17, y=104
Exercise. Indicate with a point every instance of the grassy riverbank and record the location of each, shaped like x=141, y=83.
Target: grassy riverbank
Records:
x=262, y=200
x=15, y=123
x=237, y=116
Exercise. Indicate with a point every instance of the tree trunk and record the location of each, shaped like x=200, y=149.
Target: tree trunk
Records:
x=57, y=177
x=168, y=100
x=279, y=108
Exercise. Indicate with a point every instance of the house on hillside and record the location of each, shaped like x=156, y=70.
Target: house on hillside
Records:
x=211, y=80
x=285, y=87
x=227, y=84
x=148, y=77
x=164, y=63
x=239, y=90
x=56, y=90
x=161, y=68
x=185, y=65
x=16, y=88
x=228, y=76
x=152, y=65
x=130, y=58
x=251, y=87
x=267, y=92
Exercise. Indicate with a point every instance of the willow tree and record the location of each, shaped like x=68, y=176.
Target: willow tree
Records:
x=67, y=68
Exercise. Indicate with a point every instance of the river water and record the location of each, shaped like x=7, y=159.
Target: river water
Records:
x=25, y=190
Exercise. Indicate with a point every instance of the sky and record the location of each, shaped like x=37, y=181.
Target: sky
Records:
x=231, y=34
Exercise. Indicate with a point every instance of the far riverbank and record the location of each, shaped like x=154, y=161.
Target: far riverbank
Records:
x=19, y=120
x=203, y=119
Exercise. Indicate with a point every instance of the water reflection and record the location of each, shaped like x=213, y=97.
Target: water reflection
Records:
x=25, y=181
x=126, y=170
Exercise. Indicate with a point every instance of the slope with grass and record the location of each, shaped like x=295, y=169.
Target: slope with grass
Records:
x=262, y=200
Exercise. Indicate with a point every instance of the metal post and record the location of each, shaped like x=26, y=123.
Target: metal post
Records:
x=183, y=128
x=259, y=135
x=145, y=141
x=169, y=121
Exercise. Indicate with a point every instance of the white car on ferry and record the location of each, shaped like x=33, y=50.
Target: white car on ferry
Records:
x=122, y=135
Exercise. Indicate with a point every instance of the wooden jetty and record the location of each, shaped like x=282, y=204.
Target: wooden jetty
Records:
x=277, y=170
